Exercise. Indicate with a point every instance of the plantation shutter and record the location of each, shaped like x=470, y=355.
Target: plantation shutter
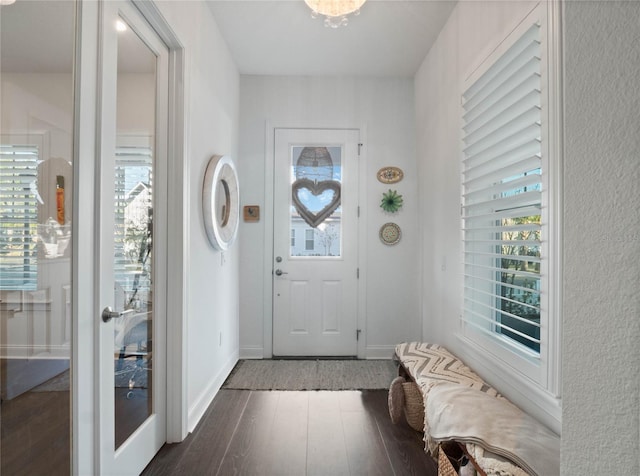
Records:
x=133, y=179
x=18, y=217
x=501, y=198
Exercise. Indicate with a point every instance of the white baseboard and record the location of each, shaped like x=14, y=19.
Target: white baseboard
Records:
x=250, y=352
x=374, y=352
x=200, y=406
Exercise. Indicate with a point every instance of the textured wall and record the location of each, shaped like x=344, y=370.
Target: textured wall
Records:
x=601, y=362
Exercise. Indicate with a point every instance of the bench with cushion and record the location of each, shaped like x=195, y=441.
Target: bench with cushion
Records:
x=460, y=409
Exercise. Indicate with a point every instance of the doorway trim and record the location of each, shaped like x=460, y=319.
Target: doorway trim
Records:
x=270, y=129
x=178, y=228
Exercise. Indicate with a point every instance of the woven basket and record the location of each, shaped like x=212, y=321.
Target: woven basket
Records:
x=413, y=406
x=396, y=400
x=445, y=468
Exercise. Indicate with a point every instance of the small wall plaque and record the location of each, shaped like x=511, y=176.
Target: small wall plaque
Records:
x=390, y=174
x=251, y=213
x=390, y=234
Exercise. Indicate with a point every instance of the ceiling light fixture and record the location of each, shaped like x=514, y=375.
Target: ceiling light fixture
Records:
x=7, y=2
x=335, y=11
x=121, y=26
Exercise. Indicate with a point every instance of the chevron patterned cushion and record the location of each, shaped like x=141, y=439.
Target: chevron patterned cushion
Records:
x=430, y=364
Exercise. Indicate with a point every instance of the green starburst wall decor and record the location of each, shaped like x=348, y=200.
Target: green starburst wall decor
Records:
x=391, y=201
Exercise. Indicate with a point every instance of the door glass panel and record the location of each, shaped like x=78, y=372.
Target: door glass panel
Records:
x=316, y=191
x=36, y=198
x=133, y=239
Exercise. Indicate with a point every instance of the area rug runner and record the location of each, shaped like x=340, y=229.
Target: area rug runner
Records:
x=311, y=375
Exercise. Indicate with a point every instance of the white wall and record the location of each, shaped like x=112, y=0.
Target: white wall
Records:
x=600, y=426
x=473, y=30
x=211, y=112
x=466, y=38
x=136, y=104
x=601, y=264
x=42, y=102
x=385, y=108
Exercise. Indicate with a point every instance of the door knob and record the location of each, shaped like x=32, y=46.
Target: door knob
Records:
x=108, y=313
x=279, y=272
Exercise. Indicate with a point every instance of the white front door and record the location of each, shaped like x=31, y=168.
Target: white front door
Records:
x=132, y=248
x=315, y=253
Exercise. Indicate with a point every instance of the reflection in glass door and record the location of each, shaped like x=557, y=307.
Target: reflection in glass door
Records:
x=133, y=286
x=36, y=197
x=133, y=232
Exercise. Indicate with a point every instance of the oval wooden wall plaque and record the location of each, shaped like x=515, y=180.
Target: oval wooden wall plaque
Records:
x=390, y=174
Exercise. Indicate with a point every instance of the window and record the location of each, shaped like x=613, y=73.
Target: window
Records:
x=18, y=217
x=316, y=199
x=502, y=196
x=309, y=241
x=293, y=238
x=133, y=222
x=507, y=212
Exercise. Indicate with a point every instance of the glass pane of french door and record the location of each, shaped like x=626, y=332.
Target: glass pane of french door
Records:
x=36, y=198
x=133, y=232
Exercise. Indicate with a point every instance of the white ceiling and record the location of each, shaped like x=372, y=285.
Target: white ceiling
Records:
x=388, y=38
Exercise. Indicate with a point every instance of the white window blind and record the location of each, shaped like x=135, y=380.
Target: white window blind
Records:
x=133, y=219
x=502, y=198
x=18, y=217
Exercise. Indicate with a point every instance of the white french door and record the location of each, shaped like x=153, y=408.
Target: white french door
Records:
x=131, y=272
x=315, y=255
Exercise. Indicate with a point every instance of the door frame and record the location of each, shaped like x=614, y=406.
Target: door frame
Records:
x=270, y=130
x=178, y=228
x=86, y=145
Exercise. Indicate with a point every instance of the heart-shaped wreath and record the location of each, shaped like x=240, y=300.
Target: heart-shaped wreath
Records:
x=316, y=188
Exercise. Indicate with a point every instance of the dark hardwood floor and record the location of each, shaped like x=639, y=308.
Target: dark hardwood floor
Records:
x=296, y=433
x=35, y=435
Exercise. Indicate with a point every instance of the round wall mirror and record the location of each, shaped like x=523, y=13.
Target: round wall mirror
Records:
x=223, y=203
x=220, y=199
